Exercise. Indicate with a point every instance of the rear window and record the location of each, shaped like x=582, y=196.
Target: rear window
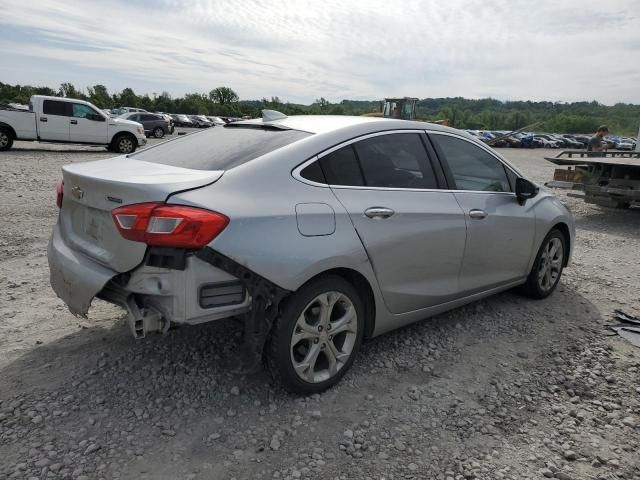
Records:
x=54, y=107
x=220, y=148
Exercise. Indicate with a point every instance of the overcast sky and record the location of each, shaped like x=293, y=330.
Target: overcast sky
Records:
x=299, y=50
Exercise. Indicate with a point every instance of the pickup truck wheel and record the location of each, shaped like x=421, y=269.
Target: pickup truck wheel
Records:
x=6, y=139
x=125, y=143
x=158, y=132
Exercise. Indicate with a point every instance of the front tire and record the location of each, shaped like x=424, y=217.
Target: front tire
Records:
x=158, y=132
x=317, y=337
x=125, y=143
x=547, y=267
x=6, y=139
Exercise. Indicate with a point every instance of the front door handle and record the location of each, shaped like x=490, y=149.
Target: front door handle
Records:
x=73, y=122
x=378, y=212
x=43, y=119
x=477, y=214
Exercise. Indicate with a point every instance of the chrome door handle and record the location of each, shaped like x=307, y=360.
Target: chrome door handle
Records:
x=477, y=214
x=378, y=212
x=73, y=122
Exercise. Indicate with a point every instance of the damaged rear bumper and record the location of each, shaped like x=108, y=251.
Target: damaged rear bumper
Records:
x=75, y=278
x=153, y=296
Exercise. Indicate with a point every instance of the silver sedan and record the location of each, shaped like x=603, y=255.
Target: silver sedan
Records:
x=316, y=231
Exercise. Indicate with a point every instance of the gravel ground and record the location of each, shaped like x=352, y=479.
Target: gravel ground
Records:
x=503, y=388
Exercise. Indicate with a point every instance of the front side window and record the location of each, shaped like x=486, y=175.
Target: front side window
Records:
x=472, y=167
x=82, y=111
x=395, y=161
x=55, y=107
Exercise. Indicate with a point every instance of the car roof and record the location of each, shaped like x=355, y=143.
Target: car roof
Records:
x=328, y=123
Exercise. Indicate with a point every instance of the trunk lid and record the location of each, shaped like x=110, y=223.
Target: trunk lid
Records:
x=93, y=189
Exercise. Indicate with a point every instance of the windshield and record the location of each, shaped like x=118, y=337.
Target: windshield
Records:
x=219, y=148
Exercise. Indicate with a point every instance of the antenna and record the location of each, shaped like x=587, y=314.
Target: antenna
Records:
x=272, y=115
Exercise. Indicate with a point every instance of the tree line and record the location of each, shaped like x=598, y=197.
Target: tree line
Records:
x=481, y=114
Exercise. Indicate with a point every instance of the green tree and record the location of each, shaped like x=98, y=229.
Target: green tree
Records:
x=223, y=95
x=99, y=96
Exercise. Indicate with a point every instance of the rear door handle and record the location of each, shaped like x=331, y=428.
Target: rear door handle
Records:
x=73, y=122
x=477, y=214
x=378, y=212
x=43, y=119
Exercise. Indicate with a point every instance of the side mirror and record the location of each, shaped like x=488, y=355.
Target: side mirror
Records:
x=96, y=117
x=525, y=190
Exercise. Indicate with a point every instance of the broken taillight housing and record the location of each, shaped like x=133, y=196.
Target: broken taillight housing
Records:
x=163, y=225
x=59, y=193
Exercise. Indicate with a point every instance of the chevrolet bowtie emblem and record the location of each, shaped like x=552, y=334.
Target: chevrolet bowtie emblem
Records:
x=77, y=192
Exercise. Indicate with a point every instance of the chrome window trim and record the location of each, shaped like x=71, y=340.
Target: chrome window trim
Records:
x=296, y=171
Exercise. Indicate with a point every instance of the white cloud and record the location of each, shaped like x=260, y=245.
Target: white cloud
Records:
x=304, y=49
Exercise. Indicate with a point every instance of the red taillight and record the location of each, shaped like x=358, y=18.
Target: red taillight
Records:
x=163, y=225
x=59, y=193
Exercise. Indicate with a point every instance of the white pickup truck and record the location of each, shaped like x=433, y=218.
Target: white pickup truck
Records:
x=65, y=120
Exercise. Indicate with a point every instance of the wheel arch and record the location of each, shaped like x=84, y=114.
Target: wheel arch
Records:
x=564, y=229
x=6, y=126
x=362, y=285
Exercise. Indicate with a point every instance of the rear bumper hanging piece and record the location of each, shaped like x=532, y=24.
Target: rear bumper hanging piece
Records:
x=266, y=298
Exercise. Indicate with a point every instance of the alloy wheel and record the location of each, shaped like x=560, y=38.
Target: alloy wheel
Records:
x=550, y=264
x=126, y=145
x=323, y=337
x=4, y=139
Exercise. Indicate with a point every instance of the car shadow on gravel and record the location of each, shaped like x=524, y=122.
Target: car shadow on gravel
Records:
x=179, y=392
x=208, y=354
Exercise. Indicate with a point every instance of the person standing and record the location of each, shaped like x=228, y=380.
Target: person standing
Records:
x=597, y=142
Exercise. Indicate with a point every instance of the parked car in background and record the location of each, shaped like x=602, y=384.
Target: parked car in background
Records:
x=626, y=144
x=200, y=121
x=217, y=120
x=546, y=142
x=153, y=124
x=65, y=120
x=338, y=196
x=169, y=119
x=123, y=110
x=572, y=142
x=181, y=120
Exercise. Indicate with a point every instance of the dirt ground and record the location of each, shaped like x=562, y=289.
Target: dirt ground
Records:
x=505, y=388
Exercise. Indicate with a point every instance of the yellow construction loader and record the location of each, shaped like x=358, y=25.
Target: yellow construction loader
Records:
x=403, y=108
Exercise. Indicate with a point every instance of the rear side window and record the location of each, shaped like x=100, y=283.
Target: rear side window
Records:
x=473, y=168
x=147, y=117
x=219, y=148
x=395, y=161
x=341, y=168
x=54, y=107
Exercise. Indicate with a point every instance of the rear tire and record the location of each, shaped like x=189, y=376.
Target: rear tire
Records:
x=547, y=267
x=6, y=139
x=158, y=132
x=317, y=336
x=125, y=143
